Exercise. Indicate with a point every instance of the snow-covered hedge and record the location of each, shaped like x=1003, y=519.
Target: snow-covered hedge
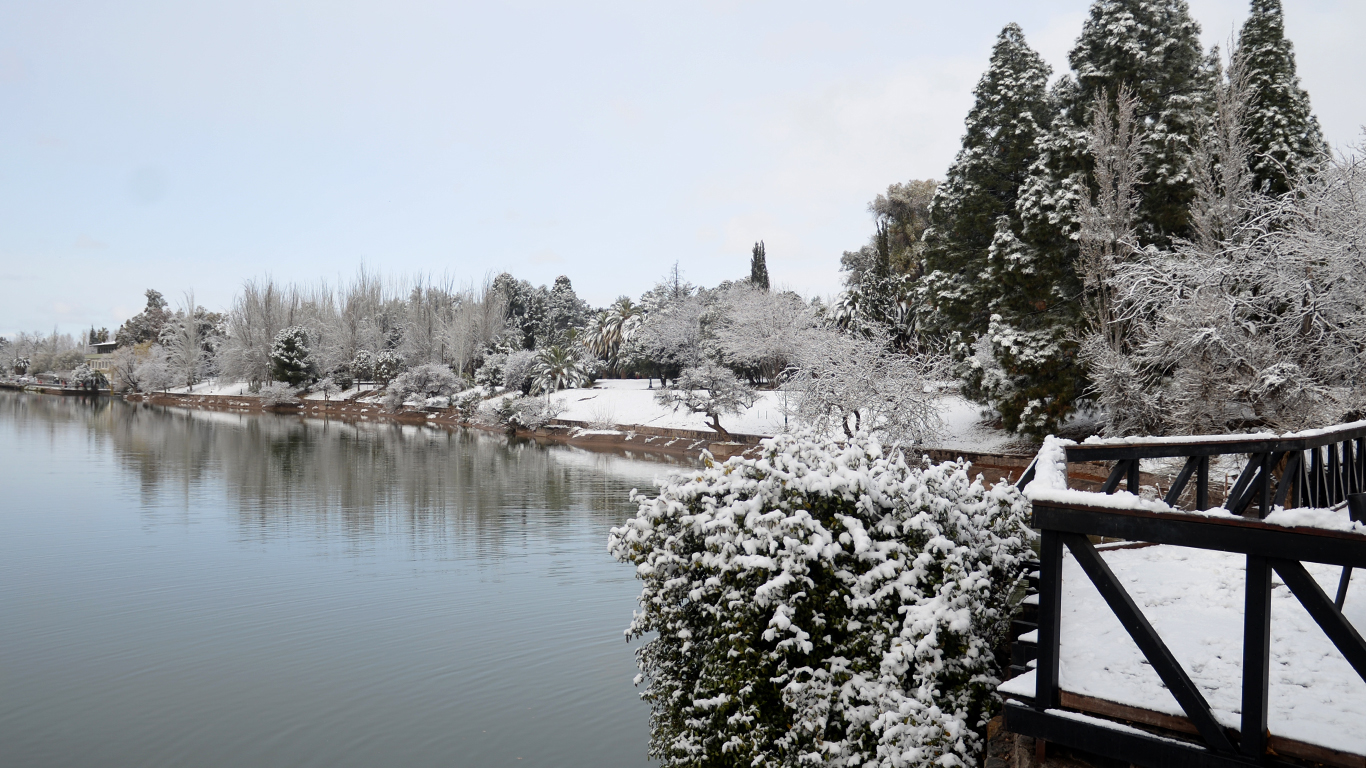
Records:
x=824, y=604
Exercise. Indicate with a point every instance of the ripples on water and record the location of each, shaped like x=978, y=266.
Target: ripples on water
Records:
x=199, y=588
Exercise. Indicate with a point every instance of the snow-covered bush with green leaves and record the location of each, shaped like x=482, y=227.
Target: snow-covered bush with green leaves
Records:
x=823, y=604
x=278, y=393
x=422, y=383
x=527, y=412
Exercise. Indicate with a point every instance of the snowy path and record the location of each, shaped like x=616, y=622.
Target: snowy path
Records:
x=1194, y=599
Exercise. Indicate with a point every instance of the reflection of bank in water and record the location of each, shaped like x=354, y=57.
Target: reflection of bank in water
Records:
x=286, y=470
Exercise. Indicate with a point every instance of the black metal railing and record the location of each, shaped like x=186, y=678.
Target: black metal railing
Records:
x=1322, y=469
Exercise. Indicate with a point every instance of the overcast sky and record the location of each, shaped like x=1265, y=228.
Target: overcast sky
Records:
x=182, y=145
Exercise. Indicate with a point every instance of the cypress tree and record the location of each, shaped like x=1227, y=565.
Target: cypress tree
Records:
x=758, y=267
x=1026, y=365
x=1011, y=111
x=1153, y=47
x=1281, y=130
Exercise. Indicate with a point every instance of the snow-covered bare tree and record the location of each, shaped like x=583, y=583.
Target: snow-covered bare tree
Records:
x=153, y=372
x=1267, y=331
x=760, y=332
x=711, y=390
x=183, y=339
x=671, y=338
x=477, y=321
x=849, y=384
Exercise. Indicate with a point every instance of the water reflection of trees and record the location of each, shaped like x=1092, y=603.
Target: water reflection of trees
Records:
x=285, y=474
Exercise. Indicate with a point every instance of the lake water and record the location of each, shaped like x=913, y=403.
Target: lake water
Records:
x=198, y=588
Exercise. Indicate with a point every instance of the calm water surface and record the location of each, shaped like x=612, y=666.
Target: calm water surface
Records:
x=196, y=588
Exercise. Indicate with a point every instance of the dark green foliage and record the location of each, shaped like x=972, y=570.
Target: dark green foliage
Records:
x=146, y=325
x=1012, y=109
x=1026, y=366
x=564, y=312
x=1282, y=132
x=904, y=215
x=1153, y=47
x=758, y=267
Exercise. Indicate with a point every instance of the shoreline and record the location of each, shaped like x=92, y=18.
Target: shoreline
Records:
x=683, y=443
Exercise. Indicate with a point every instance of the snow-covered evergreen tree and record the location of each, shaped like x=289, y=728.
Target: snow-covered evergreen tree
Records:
x=1026, y=366
x=291, y=356
x=564, y=312
x=1011, y=111
x=1283, y=135
x=146, y=325
x=758, y=267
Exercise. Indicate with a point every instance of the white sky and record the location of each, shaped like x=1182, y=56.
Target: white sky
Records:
x=192, y=146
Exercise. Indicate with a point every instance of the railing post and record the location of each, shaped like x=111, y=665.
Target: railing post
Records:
x=1050, y=619
x=1202, y=485
x=1335, y=493
x=1256, y=656
x=1133, y=477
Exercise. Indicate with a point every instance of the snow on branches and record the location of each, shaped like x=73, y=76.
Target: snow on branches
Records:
x=846, y=383
x=1266, y=329
x=711, y=390
x=824, y=604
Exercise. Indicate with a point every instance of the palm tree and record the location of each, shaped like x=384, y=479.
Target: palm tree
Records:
x=557, y=368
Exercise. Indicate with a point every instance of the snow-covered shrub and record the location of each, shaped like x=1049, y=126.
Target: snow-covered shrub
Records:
x=387, y=365
x=823, y=604
x=88, y=378
x=468, y=403
x=277, y=393
x=490, y=373
x=423, y=382
x=528, y=412
x=519, y=370
x=604, y=416
x=327, y=387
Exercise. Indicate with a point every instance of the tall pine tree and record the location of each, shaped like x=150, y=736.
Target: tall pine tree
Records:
x=1026, y=365
x=758, y=267
x=1153, y=47
x=1281, y=130
x=1011, y=111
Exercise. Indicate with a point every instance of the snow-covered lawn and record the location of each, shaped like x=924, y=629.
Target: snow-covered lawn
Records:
x=1194, y=599
x=631, y=402
x=212, y=388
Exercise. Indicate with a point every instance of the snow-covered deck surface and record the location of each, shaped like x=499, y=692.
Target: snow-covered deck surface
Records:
x=1194, y=599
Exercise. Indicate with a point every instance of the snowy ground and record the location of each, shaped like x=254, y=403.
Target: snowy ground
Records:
x=630, y=402
x=1194, y=598
x=212, y=387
